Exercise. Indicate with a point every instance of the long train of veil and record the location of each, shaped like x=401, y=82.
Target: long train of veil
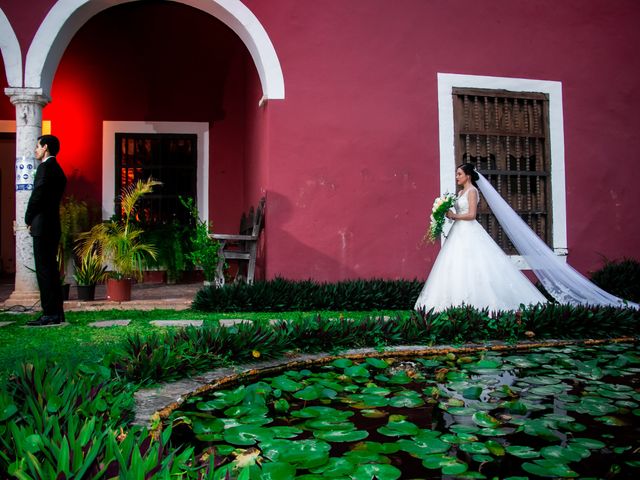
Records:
x=562, y=281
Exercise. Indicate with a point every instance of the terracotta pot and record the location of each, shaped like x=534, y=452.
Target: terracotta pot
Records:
x=119, y=290
x=86, y=292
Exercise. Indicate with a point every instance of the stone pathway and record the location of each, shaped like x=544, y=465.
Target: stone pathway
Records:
x=4, y=324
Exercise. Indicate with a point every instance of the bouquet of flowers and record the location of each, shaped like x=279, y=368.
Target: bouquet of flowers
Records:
x=441, y=206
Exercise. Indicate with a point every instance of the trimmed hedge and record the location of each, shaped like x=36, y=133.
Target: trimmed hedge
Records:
x=620, y=278
x=282, y=295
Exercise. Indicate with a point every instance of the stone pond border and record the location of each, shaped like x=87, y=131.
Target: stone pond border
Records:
x=156, y=404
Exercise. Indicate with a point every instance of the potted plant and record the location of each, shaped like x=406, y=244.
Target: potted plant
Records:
x=204, y=249
x=119, y=243
x=74, y=218
x=89, y=272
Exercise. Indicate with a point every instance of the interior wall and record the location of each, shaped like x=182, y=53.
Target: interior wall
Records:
x=184, y=67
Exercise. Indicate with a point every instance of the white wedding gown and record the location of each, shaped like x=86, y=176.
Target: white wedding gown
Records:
x=472, y=269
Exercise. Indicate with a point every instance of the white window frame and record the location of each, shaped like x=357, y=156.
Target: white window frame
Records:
x=446, y=83
x=109, y=130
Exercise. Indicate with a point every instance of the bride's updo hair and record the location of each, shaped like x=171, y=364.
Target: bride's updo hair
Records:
x=470, y=169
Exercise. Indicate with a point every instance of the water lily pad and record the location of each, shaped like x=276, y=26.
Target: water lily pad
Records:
x=335, y=467
x=398, y=428
x=410, y=399
x=304, y=453
x=424, y=447
x=308, y=393
x=522, y=451
x=367, y=401
x=561, y=454
x=612, y=421
x=483, y=419
x=285, y=432
x=285, y=383
x=341, y=435
x=373, y=413
x=462, y=428
x=472, y=393
x=449, y=465
x=328, y=423
x=357, y=372
x=247, y=435
x=496, y=448
x=342, y=363
x=373, y=470
x=376, y=390
x=590, y=443
x=377, y=363
x=474, y=448
x=548, y=469
x=277, y=471
x=320, y=411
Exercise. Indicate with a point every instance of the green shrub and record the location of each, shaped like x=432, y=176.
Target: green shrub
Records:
x=176, y=354
x=620, y=278
x=280, y=295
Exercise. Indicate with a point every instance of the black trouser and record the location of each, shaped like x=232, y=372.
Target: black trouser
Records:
x=45, y=249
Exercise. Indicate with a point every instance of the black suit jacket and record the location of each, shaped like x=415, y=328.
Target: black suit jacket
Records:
x=43, y=209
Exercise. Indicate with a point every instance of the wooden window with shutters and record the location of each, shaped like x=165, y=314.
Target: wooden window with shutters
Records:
x=506, y=136
x=170, y=158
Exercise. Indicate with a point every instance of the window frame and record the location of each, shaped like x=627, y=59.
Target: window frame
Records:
x=109, y=130
x=447, y=82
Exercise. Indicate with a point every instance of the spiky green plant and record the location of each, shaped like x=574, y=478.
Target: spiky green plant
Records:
x=119, y=241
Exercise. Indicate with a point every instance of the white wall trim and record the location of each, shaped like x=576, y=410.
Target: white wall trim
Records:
x=66, y=17
x=11, y=53
x=446, y=83
x=109, y=130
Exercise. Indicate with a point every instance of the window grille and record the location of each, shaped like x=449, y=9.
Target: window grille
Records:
x=169, y=158
x=506, y=136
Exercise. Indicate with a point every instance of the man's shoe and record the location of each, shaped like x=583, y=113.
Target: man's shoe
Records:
x=45, y=320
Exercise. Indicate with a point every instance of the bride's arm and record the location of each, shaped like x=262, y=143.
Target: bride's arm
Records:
x=472, y=197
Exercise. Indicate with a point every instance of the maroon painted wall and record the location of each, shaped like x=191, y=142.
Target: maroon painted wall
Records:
x=354, y=157
x=350, y=158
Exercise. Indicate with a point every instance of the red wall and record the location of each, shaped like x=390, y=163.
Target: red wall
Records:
x=354, y=147
x=350, y=158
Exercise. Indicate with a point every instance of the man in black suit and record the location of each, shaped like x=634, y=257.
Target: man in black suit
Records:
x=43, y=221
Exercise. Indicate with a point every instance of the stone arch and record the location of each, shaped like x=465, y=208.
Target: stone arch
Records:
x=11, y=53
x=65, y=19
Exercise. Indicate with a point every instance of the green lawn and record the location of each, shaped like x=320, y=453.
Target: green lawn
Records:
x=79, y=343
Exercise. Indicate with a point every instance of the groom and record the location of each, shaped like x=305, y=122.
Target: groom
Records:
x=43, y=221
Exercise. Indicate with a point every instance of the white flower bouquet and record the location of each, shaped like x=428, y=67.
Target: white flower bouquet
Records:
x=441, y=206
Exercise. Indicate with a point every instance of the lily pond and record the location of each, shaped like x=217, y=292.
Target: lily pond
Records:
x=571, y=411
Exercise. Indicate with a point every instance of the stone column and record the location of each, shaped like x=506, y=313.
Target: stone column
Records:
x=29, y=103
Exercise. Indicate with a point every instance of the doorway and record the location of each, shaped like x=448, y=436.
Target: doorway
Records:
x=7, y=203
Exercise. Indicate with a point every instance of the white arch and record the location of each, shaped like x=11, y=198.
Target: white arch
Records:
x=65, y=19
x=11, y=53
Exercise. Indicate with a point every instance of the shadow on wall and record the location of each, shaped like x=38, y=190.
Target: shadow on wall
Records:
x=292, y=259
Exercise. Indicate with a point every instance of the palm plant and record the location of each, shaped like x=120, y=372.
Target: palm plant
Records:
x=119, y=241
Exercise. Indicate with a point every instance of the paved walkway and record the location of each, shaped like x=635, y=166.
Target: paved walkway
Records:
x=144, y=296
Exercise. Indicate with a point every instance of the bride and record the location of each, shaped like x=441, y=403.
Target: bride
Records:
x=472, y=269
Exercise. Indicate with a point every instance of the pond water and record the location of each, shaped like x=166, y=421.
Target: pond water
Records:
x=551, y=412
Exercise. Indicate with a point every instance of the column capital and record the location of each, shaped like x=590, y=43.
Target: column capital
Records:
x=18, y=95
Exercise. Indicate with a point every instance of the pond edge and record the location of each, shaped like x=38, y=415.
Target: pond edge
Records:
x=152, y=405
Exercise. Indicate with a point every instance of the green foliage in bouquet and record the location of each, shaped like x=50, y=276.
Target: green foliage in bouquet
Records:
x=441, y=206
x=620, y=278
x=281, y=295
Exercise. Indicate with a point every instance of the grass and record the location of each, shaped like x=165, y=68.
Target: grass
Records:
x=80, y=343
